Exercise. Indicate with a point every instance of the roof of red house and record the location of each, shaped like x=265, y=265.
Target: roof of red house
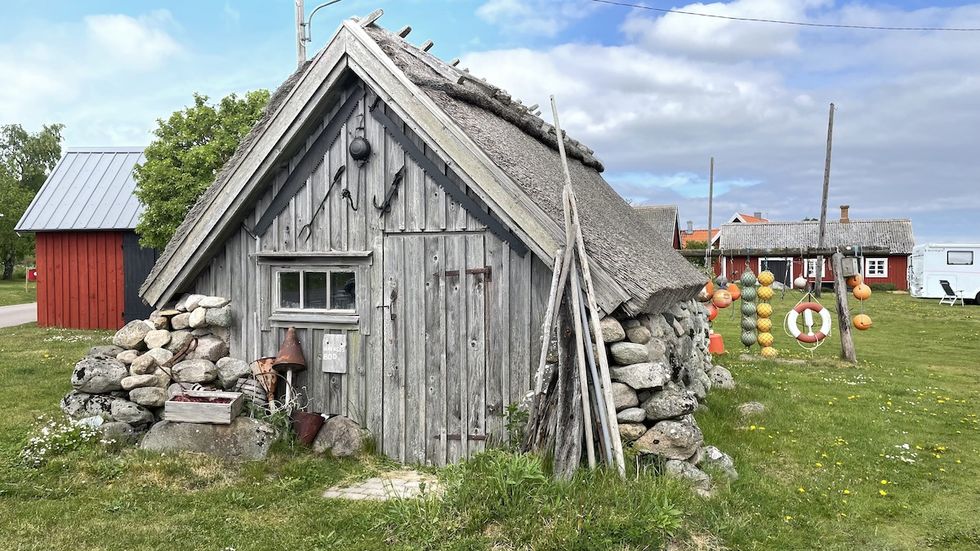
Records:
x=749, y=219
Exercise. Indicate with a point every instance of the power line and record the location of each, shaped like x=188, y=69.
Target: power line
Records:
x=781, y=22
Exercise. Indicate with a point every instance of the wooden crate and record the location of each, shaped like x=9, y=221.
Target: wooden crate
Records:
x=203, y=412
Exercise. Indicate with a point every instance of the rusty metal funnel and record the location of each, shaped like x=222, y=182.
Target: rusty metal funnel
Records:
x=290, y=357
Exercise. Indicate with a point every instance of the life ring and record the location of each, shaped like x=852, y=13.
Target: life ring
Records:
x=794, y=315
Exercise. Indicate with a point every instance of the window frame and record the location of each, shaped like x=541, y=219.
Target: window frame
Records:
x=808, y=262
x=970, y=263
x=277, y=307
x=883, y=262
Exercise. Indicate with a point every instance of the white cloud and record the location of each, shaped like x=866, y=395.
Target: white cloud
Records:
x=143, y=42
x=543, y=17
x=682, y=89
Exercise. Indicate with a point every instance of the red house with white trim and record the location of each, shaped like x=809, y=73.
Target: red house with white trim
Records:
x=884, y=247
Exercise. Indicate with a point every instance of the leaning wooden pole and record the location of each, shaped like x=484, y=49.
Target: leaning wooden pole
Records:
x=593, y=306
x=847, y=351
x=818, y=281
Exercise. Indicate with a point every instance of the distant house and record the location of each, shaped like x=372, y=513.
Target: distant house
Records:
x=701, y=235
x=663, y=219
x=89, y=261
x=883, y=245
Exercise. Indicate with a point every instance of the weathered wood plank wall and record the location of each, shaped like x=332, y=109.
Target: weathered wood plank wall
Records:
x=430, y=372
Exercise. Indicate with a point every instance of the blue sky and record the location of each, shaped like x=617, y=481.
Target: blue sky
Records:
x=654, y=95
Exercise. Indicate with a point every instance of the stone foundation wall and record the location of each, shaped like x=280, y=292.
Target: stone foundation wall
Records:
x=661, y=369
x=123, y=386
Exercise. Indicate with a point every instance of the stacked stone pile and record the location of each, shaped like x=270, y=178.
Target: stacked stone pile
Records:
x=660, y=367
x=123, y=386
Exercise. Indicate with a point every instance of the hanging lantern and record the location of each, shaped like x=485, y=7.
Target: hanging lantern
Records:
x=766, y=278
x=769, y=353
x=766, y=340
x=712, y=312
x=748, y=308
x=749, y=294
x=764, y=325
x=799, y=283
x=748, y=279
x=764, y=310
x=862, y=322
x=721, y=281
x=765, y=293
x=748, y=324
x=721, y=299
x=748, y=338
x=854, y=280
x=734, y=291
x=862, y=292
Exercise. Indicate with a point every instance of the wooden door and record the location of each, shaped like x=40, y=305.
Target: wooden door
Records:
x=435, y=312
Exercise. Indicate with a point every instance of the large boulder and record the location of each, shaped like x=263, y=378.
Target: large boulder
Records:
x=721, y=378
x=107, y=350
x=244, y=439
x=672, y=401
x=210, y=348
x=132, y=334
x=642, y=375
x=79, y=405
x=628, y=353
x=213, y=302
x=638, y=334
x=191, y=302
x=612, y=330
x=158, y=338
x=144, y=365
x=178, y=339
x=149, y=396
x=629, y=432
x=631, y=415
x=339, y=436
x=127, y=356
x=198, y=318
x=180, y=321
x=218, y=317
x=683, y=470
x=230, y=370
x=130, y=412
x=161, y=355
x=118, y=432
x=158, y=378
x=720, y=460
x=623, y=396
x=656, y=349
x=98, y=375
x=195, y=371
x=671, y=440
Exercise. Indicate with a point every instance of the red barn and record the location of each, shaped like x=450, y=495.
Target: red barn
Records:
x=89, y=261
x=884, y=247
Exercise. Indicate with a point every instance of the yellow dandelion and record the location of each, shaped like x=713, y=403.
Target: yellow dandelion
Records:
x=787, y=518
x=846, y=492
x=883, y=481
x=801, y=489
x=882, y=493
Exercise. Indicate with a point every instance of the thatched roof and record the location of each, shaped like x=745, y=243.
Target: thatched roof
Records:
x=648, y=274
x=893, y=235
x=662, y=218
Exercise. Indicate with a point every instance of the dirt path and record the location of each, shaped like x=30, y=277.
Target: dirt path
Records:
x=18, y=314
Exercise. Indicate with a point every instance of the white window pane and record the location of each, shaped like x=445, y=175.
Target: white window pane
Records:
x=959, y=258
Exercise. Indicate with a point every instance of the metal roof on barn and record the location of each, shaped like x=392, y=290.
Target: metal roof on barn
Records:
x=894, y=235
x=89, y=189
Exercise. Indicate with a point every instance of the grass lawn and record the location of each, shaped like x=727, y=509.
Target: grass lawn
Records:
x=882, y=455
x=14, y=292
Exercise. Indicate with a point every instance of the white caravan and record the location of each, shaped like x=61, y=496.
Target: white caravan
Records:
x=959, y=264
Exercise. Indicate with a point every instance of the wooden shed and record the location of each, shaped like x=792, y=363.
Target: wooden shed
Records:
x=89, y=261
x=416, y=273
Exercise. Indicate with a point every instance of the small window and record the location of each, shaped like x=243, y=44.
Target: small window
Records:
x=811, y=267
x=322, y=290
x=876, y=267
x=959, y=258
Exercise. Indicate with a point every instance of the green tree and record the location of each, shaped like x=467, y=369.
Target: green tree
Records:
x=696, y=245
x=25, y=160
x=188, y=150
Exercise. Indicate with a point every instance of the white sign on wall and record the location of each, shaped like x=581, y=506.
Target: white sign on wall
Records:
x=334, y=359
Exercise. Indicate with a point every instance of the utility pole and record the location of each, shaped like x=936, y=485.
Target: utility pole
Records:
x=300, y=34
x=711, y=196
x=823, y=206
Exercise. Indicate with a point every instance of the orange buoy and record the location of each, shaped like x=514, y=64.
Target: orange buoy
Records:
x=716, y=344
x=734, y=291
x=862, y=292
x=862, y=322
x=721, y=298
x=709, y=287
x=854, y=280
x=712, y=312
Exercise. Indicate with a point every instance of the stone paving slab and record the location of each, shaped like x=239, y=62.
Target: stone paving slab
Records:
x=403, y=484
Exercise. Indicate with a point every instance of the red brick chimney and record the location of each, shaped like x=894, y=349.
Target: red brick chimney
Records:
x=844, y=216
